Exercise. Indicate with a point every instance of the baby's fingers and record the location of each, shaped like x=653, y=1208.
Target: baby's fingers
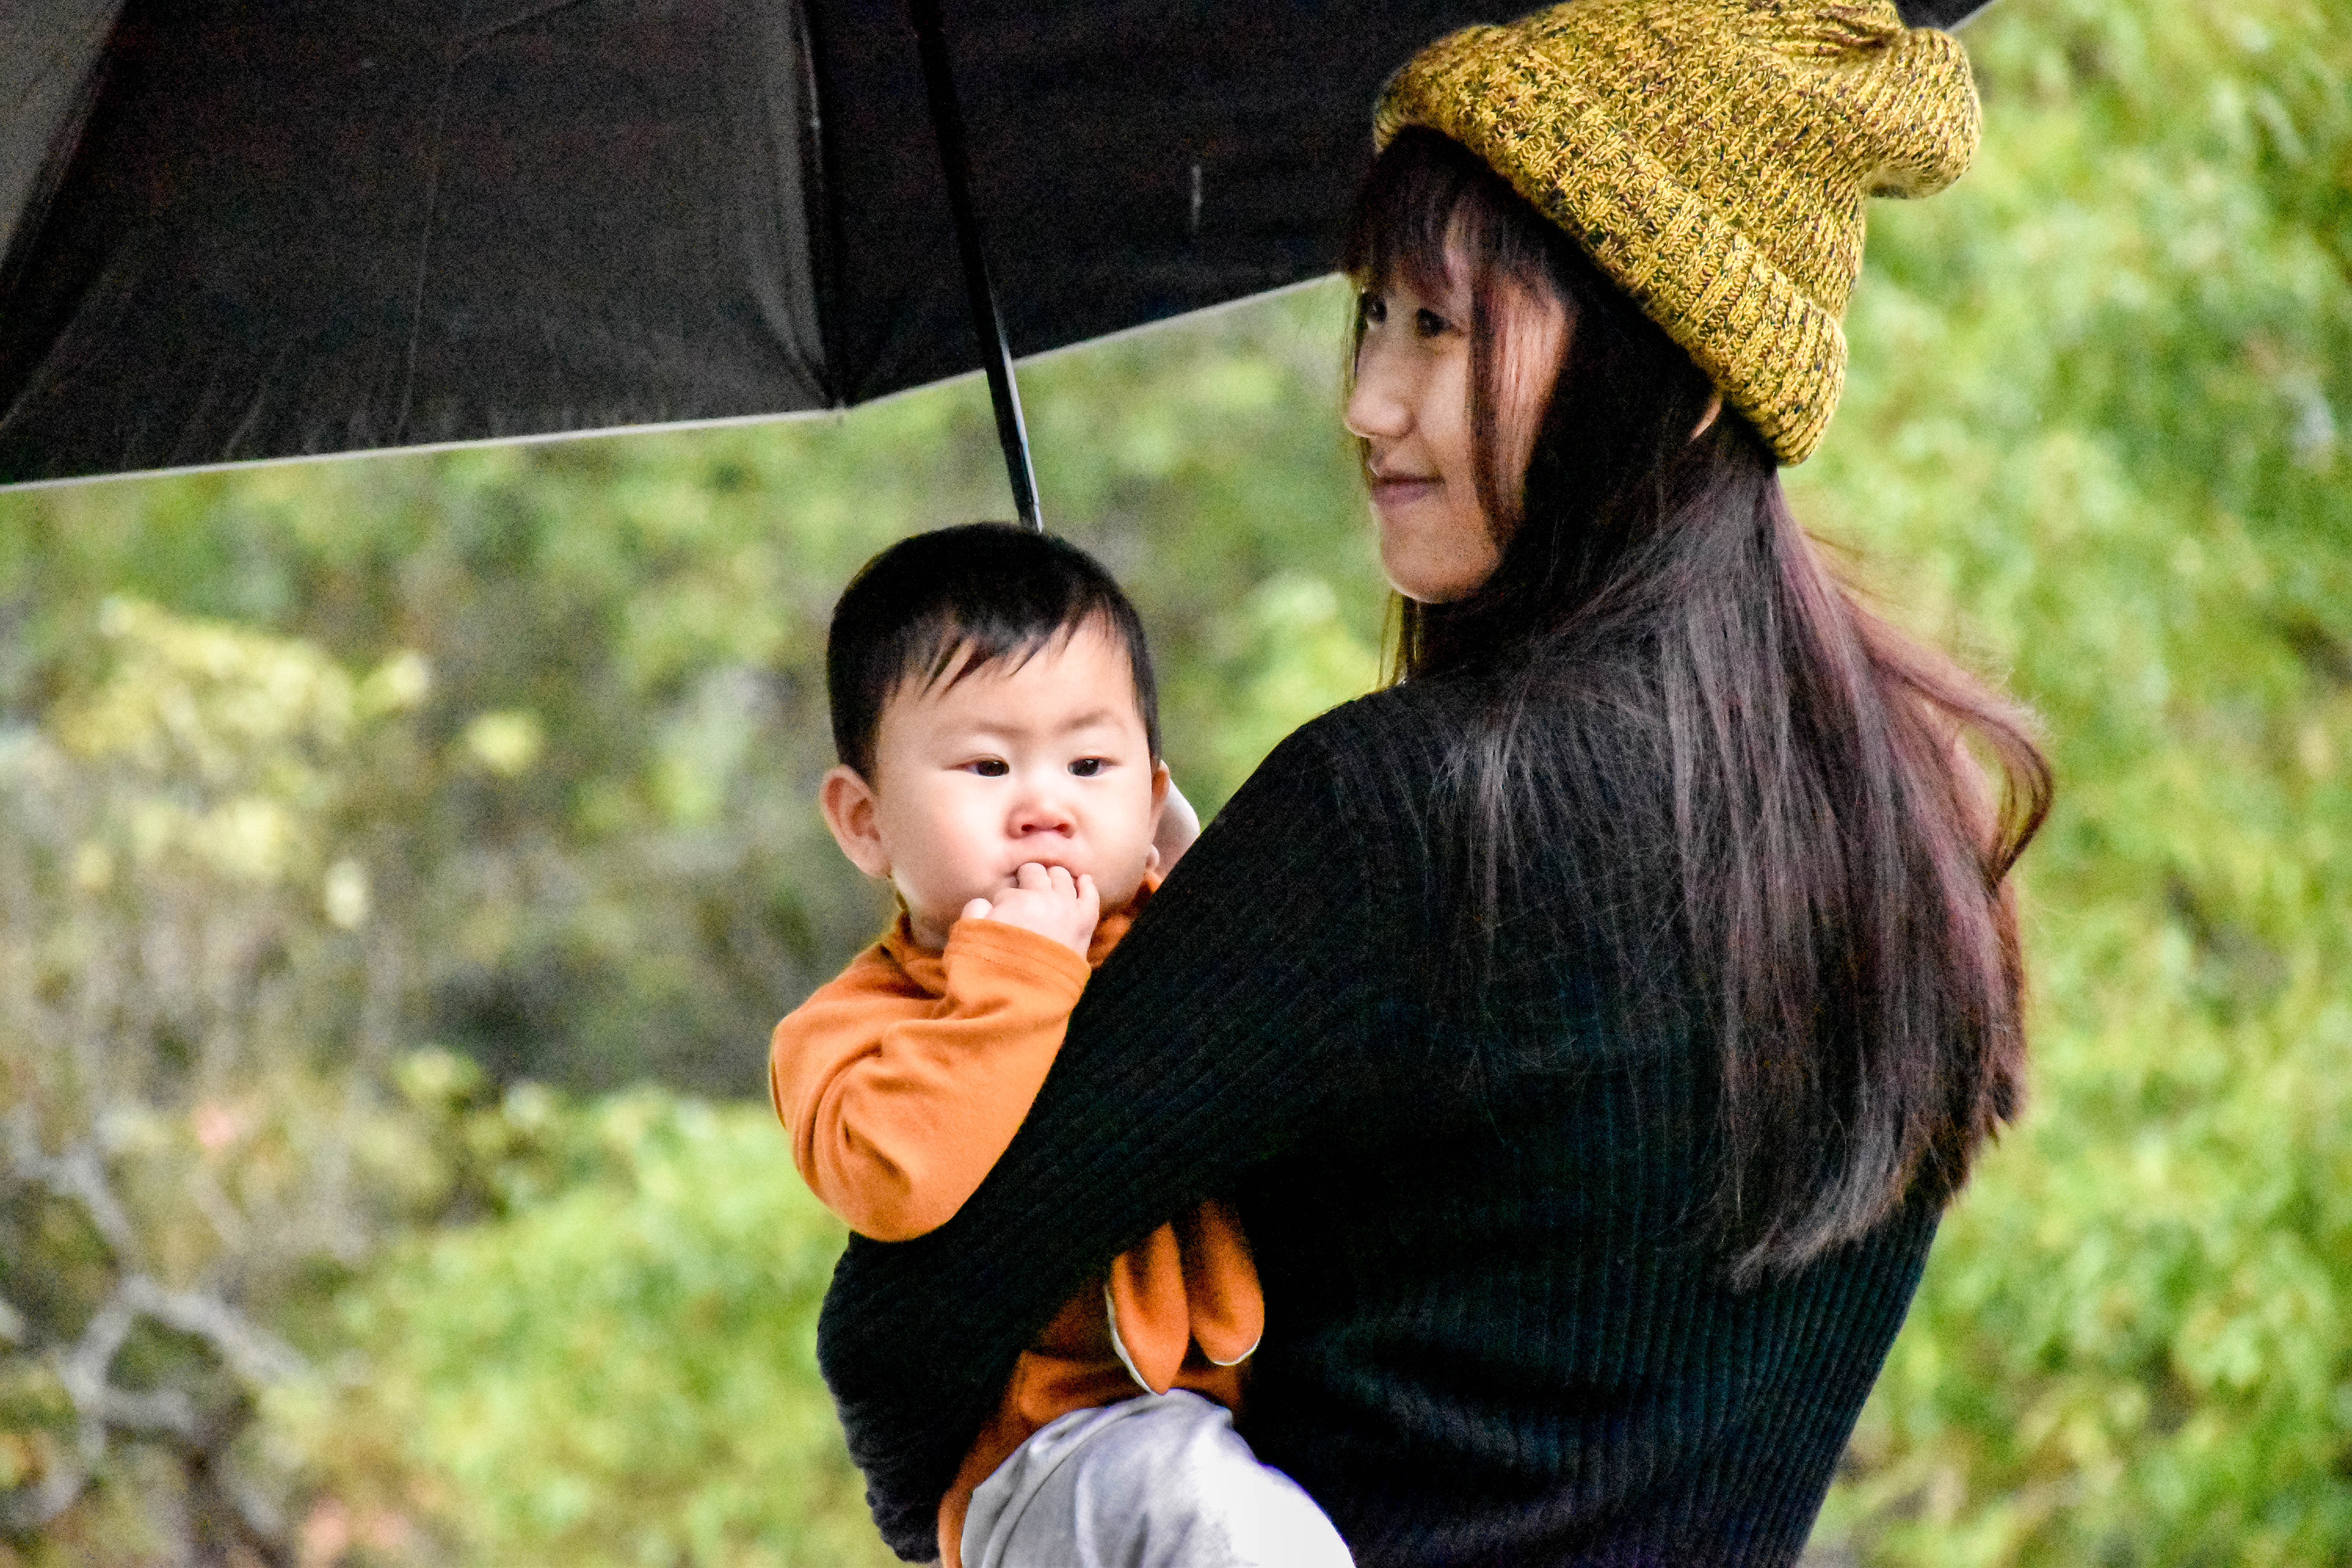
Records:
x=1062, y=885
x=978, y=910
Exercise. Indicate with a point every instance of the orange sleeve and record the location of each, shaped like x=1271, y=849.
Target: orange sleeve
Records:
x=898, y=1102
x=1186, y=1293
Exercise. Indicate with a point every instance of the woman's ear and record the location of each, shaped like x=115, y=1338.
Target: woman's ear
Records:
x=848, y=803
x=1706, y=420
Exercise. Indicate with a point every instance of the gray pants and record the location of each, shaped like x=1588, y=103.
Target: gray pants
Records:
x=1159, y=1481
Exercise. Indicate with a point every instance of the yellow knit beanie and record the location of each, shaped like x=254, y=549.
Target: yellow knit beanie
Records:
x=1712, y=156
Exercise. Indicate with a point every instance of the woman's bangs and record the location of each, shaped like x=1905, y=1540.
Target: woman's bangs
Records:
x=1411, y=204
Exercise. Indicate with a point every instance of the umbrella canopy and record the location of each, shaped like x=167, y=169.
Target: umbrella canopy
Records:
x=241, y=231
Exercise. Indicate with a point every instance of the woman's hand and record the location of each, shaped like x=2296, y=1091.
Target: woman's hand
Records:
x=1048, y=900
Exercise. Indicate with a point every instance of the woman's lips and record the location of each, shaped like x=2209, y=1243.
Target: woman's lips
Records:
x=1402, y=490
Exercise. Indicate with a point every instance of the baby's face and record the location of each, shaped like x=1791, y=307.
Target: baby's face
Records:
x=1048, y=762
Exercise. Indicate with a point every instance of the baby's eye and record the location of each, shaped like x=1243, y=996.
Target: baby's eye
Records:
x=1088, y=767
x=1372, y=309
x=990, y=767
x=1428, y=323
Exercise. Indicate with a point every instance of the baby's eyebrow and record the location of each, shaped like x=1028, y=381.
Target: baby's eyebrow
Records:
x=1092, y=717
x=1013, y=729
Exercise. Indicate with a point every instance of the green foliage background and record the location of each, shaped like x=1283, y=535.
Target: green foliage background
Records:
x=372, y=825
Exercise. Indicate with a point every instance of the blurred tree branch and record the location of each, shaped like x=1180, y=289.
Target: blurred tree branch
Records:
x=184, y=1142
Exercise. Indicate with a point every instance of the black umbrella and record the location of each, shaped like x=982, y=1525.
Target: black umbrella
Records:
x=237, y=230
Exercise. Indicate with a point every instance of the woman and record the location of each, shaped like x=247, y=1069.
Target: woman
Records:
x=1590, y=1027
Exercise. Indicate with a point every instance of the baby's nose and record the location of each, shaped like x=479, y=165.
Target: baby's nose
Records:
x=1043, y=811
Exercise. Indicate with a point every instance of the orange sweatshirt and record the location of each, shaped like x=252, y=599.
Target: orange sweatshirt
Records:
x=902, y=1081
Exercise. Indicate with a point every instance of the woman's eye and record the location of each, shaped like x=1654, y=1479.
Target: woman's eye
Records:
x=990, y=767
x=1086, y=767
x=1428, y=323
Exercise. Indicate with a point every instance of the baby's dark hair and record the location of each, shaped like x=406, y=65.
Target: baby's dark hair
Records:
x=937, y=606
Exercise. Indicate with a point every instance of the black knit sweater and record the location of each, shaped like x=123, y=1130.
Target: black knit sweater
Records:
x=1497, y=1330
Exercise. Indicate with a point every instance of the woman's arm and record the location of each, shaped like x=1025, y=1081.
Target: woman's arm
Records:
x=1211, y=1040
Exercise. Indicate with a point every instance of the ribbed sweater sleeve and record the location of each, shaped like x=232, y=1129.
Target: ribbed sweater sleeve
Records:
x=1205, y=1045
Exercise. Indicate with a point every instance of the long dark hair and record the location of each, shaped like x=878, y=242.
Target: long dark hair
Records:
x=1840, y=851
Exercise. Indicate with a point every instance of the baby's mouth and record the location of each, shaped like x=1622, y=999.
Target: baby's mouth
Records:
x=1014, y=876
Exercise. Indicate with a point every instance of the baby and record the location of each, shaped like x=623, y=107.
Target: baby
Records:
x=996, y=718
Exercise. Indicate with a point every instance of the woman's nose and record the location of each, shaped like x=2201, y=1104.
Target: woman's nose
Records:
x=1377, y=407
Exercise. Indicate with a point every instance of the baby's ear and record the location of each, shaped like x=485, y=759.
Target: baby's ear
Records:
x=1177, y=823
x=847, y=802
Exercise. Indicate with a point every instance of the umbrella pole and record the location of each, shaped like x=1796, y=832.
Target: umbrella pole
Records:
x=980, y=294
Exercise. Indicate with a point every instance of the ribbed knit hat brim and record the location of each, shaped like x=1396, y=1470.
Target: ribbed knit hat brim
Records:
x=1712, y=157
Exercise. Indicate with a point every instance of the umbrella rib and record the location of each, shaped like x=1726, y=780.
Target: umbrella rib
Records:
x=467, y=43
x=455, y=58
x=823, y=219
x=462, y=45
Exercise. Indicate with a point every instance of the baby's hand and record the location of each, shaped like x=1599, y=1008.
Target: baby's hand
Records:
x=1047, y=900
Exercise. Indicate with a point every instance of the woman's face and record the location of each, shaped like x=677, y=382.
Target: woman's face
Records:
x=1411, y=407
